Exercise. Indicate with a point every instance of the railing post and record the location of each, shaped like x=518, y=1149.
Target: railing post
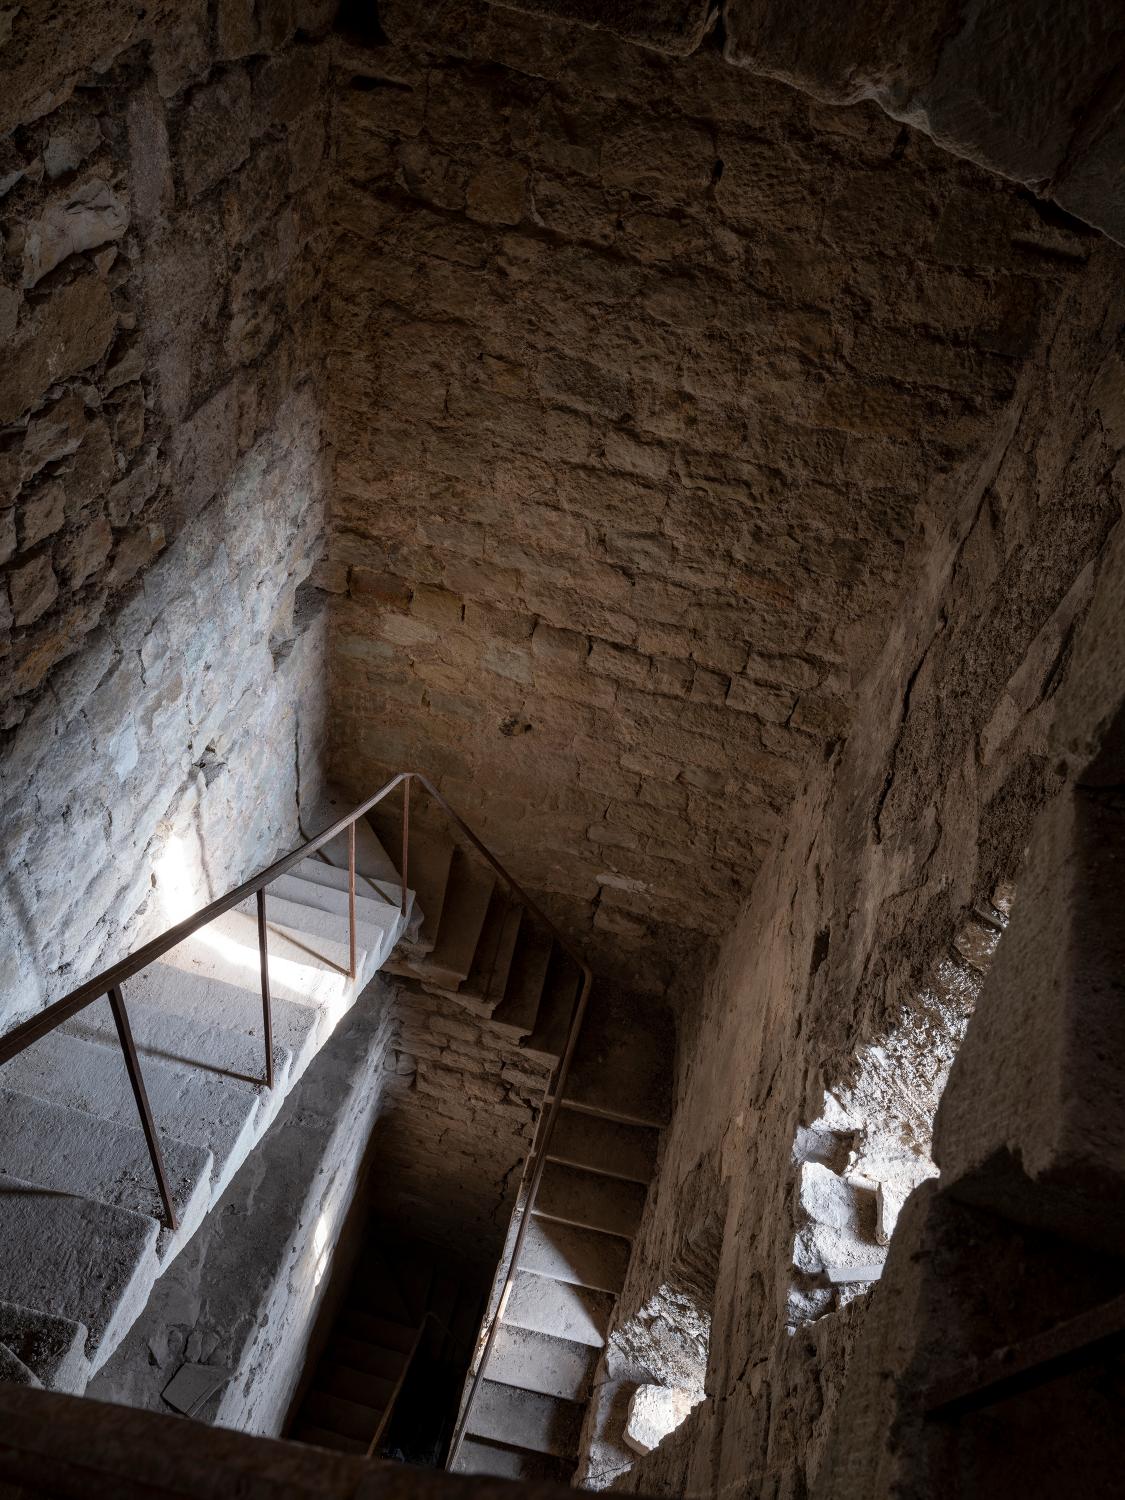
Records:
x=351, y=899
x=405, y=840
x=133, y=1068
x=264, y=956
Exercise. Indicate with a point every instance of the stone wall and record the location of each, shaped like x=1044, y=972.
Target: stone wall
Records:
x=927, y=805
x=453, y=1136
x=161, y=482
x=647, y=375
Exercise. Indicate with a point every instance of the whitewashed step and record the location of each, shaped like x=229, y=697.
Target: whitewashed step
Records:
x=92, y=1263
x=601, y=1145
x=544, y=1305
x=480, y=1457
x=568, y=1252
x=307, y=972
x=316, y=930
x=370, y=910
x=188, y=1104
x=224, y=1025
x=371, y=859
x=525, y=1419
x=542, y=1362
x=52, y=1347
x=192, y=1037
x=316, y=871
x=588, y=1198
x=69, y=1152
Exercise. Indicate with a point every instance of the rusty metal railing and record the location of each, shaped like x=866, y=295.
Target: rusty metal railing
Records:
x=109, y=983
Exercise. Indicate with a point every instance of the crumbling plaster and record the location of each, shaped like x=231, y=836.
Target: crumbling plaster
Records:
x=926, y=806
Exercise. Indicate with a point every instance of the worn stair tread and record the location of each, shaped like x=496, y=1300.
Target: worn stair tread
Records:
x=516, y=1013
x=477, y=1456
x=68, y=1151
x=351, y=1384
x=320, y=1437
x=466, y=906
x=223, y=1021
x=13, y=1371
x=488, y=977
x=569, y=1252
x=542, y=1362
x=607, y=1146
x=371, y=858
x=316, y=871
x=305, y=971
x=52, y=1347
x=556, y=1008
x=376, y=932
x=194, y=1040
x=575, y=1196
x=525, y=1419
x=429, y=866
x=334, y=1414
x=93, y=1263
x=624, y=1060
x=187, y=1103
x=370, y=910
x=544, y=1305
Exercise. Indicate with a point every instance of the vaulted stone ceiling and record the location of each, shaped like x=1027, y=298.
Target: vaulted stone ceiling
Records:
x=650, y=380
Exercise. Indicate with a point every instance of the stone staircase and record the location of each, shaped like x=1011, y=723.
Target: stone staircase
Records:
x=82, y=1230
x=479, y=947
x=394, y=1288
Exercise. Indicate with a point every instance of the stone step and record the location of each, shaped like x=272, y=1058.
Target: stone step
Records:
x=371, y=858
x=569, y=1253
x=92, y=1264
x=310, y=974
x=516, y=1013
x=556, y=1008
x=544, y=1305
x=66, y=1151
x=355, y=1385
x=384, y=1333
x=316, y=871
x=625, y=1058
x=428, y=871
x=376, y=934
x=370, y=910
x=187, y=1016
x=320, y=1437
x=480, y=1457
x=601, y=1145
x=333, y=1414
x=525, y=1419
x=487, y=980
x=202, y=1109
x=53, y=1348
x=462, y=919
x=542, y=1362
x=575, y=1196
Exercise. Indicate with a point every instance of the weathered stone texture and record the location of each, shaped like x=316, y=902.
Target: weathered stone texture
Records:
x=928, y=804
x=161, y=485
x=646, y=374
x=461, y=1103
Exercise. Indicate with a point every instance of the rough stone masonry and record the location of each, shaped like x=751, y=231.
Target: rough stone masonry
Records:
x=161, y=479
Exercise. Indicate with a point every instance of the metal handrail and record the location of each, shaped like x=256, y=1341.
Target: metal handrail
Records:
x=109, y=982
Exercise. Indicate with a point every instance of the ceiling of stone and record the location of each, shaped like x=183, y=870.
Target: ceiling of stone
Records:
x=646, y=376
